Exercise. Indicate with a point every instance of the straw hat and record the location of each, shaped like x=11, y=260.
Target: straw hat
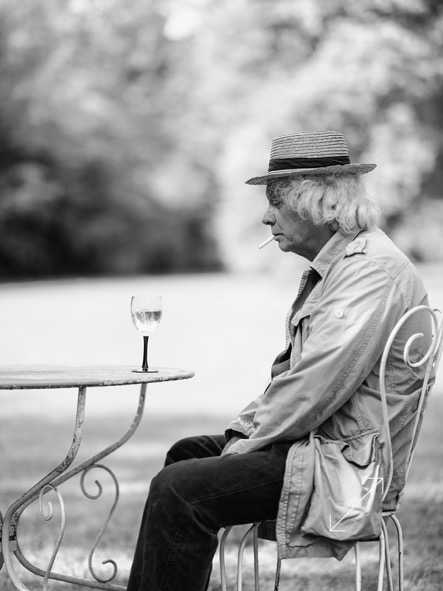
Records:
x=309, y=152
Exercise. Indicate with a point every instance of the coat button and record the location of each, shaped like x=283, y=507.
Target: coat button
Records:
x=339, y=313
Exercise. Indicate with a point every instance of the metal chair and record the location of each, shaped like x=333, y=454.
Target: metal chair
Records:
x=430, y=362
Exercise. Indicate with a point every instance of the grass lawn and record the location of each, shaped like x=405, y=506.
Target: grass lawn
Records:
x=421, y=512
x=35, y=427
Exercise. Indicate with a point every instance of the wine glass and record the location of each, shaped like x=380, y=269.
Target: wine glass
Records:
x=146, y=313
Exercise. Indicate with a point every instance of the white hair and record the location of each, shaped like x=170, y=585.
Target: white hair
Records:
x=339, y=201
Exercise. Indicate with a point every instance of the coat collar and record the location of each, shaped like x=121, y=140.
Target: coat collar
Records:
x=335, y=246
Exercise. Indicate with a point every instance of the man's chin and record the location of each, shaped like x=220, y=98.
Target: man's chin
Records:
x=283, y=245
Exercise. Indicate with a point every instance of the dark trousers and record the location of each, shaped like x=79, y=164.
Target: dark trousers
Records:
x=191, y=498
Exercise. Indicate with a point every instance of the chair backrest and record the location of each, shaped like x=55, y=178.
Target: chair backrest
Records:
x=420, y=333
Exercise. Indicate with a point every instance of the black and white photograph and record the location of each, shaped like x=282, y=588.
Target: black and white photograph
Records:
x=221, y=295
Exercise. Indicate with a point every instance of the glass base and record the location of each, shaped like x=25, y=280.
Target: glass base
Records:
x=141, y=370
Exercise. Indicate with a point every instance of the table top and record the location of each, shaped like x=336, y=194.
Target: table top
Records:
x=19, y=377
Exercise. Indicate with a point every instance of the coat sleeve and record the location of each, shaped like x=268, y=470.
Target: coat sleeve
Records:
x=244, y=423
x=346, y=330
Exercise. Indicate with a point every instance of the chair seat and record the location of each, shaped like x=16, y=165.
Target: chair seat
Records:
x=430, y=362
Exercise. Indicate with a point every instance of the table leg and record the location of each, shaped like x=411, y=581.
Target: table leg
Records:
x=56, y=478
x=9, y=543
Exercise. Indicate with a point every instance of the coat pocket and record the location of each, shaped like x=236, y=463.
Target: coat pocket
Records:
x=361, y=450
x=304, y=312
x=346, y=502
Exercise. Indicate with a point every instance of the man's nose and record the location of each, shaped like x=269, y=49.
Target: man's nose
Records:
x=268, y=217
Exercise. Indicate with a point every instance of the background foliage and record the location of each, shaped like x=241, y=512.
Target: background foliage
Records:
x=127, y=129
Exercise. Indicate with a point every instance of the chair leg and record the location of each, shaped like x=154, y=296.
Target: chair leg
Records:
x=256, y=566
x=400, y=551
x=381, y=560
x=241, y=551
x=222, y=558
x=387, y=557
x=277, y=575
x=384, y=557
x=357, y=567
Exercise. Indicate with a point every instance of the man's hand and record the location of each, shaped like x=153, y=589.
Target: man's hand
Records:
x=230, y=443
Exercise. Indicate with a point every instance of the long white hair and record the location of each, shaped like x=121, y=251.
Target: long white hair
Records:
x=339, y=201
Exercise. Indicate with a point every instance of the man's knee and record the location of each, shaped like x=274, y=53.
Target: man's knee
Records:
x=161, y=484
x=178, y=488
x=201, y=446
x=175, y=483
x=181, y=450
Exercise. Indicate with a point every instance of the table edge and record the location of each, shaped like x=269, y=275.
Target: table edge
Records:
x=128, y=379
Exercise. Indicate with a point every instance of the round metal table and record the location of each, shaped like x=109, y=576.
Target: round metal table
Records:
x=44, y=377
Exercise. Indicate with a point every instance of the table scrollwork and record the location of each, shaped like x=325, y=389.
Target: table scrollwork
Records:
x=47, y=513
x=107, y=520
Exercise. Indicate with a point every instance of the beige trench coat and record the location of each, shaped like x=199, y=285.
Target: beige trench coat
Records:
x=327, y=379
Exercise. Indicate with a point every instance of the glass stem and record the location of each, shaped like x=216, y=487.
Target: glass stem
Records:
x=145, y=353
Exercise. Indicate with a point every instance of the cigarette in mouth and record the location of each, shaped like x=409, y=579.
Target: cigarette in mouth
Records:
x=266, y=242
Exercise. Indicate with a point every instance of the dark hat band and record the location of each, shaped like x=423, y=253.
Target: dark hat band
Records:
x=295, y=163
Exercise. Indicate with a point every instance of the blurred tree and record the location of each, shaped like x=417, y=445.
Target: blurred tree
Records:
x=127, y=129
x=92, y=156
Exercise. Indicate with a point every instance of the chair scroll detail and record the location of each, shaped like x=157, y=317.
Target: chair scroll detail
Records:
x=429, y=361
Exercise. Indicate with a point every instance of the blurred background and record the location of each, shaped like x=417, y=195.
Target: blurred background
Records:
x=127, y=130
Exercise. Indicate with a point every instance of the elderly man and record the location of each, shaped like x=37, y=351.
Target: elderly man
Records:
x=326, y=380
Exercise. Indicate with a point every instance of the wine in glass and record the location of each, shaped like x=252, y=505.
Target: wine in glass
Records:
x=146, y=313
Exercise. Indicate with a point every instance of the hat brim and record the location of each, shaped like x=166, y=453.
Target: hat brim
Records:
x=339, y=169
